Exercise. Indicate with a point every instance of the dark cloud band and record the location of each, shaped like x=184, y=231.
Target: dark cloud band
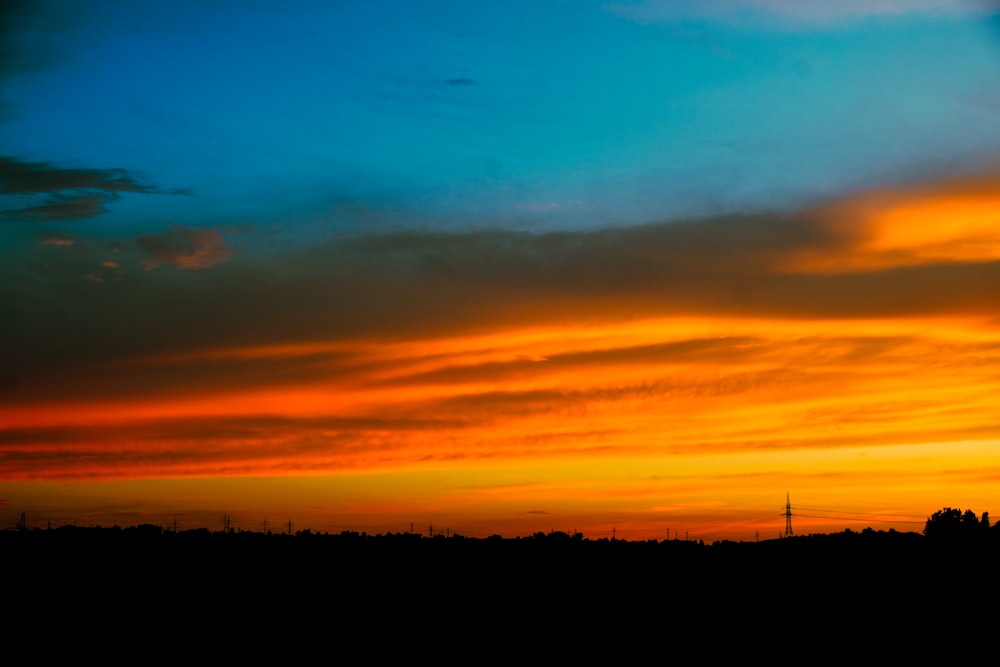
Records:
x=69, y=194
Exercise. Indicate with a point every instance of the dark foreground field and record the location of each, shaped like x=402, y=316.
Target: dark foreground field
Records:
x=401, y=578
x=146, y=595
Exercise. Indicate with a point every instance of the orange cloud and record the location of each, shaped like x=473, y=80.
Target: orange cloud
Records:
x=652, y=388
x=185, y=248
x=58, y=241
x=649, y=377
x=954, y=222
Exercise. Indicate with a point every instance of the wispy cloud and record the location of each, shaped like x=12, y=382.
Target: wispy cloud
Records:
x=20, y=177
x=542, y=206
x=950, y=222
x=185, y=248
x=67, y=193
x=60, y=207
x=58, y=241
x=802, y=12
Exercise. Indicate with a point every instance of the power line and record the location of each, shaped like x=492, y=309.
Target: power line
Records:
x=868, y=519
x=814, y=509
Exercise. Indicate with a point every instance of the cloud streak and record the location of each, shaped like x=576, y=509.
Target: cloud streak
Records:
x=60, y=207
x=950, y=222
x=798, y=12
x=19, y=177
x=185, y=248
x=67, y=194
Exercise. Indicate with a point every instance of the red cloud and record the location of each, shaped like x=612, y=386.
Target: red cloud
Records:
x=185, y=248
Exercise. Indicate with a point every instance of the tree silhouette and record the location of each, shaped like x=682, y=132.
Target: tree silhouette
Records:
x=951, y=524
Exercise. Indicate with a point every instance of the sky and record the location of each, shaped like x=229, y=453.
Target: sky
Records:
x=634, y=269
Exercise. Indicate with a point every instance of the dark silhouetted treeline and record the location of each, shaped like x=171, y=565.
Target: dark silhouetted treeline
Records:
x=393, y=578
x=408, y=558
x=354, y=587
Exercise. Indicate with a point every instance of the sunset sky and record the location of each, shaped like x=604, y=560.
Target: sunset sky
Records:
x=500, y=267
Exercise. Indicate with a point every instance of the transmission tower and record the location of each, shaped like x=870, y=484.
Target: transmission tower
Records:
x=788, y=516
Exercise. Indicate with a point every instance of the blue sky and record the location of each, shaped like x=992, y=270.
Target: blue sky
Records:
x=452, y=115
